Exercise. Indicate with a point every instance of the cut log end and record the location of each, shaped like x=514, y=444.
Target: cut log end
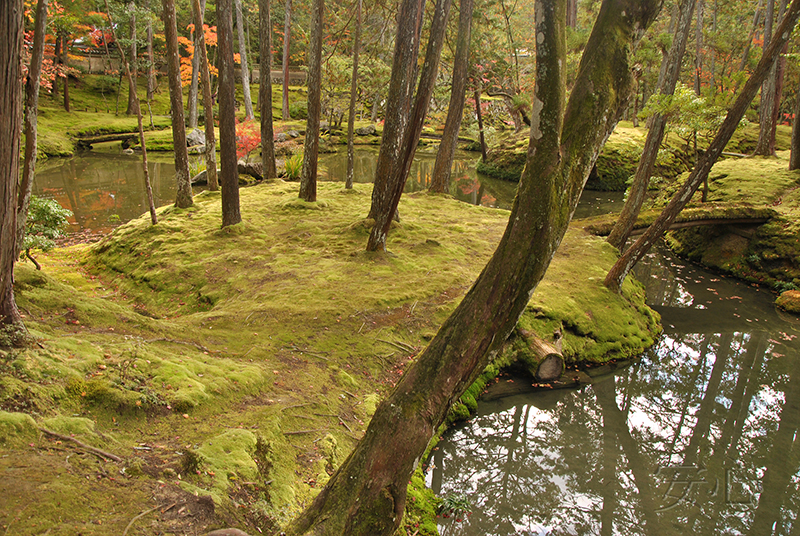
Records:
x=550, y=369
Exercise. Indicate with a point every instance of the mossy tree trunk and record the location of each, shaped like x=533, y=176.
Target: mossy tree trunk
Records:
x=183, y=197
x=699, y=174
x=367, y=494
x=440, y=179
x=229, y=169
x=268, y=170
x=641, y=181
x=208, y=101
x=308, y=173
x=351, y=110
x=31, y=120
x=386, y=194
x=11, y=124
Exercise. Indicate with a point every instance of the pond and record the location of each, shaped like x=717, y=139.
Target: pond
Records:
x=698, y=436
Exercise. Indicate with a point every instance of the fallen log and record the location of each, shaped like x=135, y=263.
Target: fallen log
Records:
x=545, y=361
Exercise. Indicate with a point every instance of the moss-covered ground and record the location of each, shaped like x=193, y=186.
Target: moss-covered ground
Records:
x=232, y=370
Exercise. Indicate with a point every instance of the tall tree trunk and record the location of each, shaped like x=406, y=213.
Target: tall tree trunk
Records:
x=351, y=110
x=57, y=62
x=698, y=43
x=265, y=92
x=133, y=98
x=751, y=35
x=641, y=181
x=151, y=71
x=479, y=116
x=794, y=157
x=287, y=31
x=229, y=180
x=766, y=139
x=31, y=120
x=248, y=100
x=440, y=179
x=308, y=173
x=64, y=60
x=11, y=28
x=639, y=249
x=194, y=86
x=572, y=14
x=367, y=494
x=712, y=59
x=146, y=171
x=183, y=197
x=208, y=101
x=386, y=199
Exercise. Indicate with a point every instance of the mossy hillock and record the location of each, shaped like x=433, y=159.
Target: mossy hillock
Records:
x=232, y=368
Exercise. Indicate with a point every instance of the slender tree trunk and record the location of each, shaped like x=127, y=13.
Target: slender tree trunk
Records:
x=386, y=200
x=308, y=173
x=31, y=120
x=57, y=62
x=794, y=157
x=11, y=28
x=287, y=31
x=641, y=181
x=151, y=71
x=64, y=60
x=248, y=100
x=229, y=180
x=367, y=494
x=183, y=198
x=351, y=111
x=265, y=92
x=147, y=186
x=572, y=14
x=440, y=179
x=208, y=101
x=195, y=83
x=698, y=43
x=766, y=140
x=133, y=98
x=712, y=57
x=639, y=249
x=751, y=35
x=479, y=115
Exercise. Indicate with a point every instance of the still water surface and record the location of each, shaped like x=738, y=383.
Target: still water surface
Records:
x=698, y=437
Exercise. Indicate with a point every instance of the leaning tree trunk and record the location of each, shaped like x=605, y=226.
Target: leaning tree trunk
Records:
x=386, y=195
x=367, y=494
x=308, y=173
x=639, y=249
x=287, y=30
x=633, y=205
x=398, y=99
x=145, y=169
x=229, y=169
x=133, y=98
x=248, y=100
x=440, y=179
x=208, y=101
x=183, y=198
x=11, y=29
x=31, y=120
x=351, y=110
x=268, y=170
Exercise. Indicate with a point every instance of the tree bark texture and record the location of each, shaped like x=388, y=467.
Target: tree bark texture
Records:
x=385, y=202
x=151, y=70
x=287, y=32
x=133, y=98
x=183, y=198
x=229, y=180
x=208, y=101
x=398, y=99
x=698, y=46
x=794, y=157
x=31, y=120
x=248, y=100
x=11, y=29
x=351, y=111
x=194, y=86
x=64, y=60
x=766, y=133
x=147, y=186
x=626, y=262
x=638, y=191
x=367, y=494
x=479, y=115
x=308, y=173
x=265, y=92
x=440, y=179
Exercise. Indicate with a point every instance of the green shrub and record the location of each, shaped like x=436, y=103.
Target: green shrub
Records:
x=294, y=164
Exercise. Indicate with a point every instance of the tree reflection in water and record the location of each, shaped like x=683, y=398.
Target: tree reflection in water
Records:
x=698, y=436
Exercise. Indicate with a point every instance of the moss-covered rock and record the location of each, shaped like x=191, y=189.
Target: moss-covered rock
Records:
x=17, y=429
x=789, y=301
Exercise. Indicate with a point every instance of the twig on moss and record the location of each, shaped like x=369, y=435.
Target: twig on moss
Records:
x=297, y=432
x=176, y=341
x=81, y=444
x=125, y=532
x=401, y=345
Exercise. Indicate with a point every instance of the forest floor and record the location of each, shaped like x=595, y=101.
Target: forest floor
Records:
x=231, y=370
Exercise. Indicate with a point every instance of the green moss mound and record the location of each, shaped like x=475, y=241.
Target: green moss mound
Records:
x=789, y=301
